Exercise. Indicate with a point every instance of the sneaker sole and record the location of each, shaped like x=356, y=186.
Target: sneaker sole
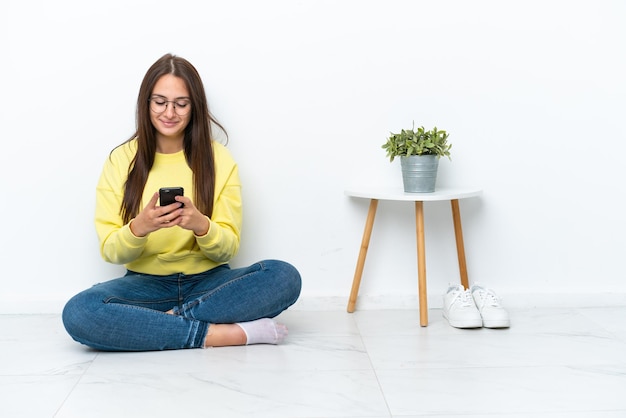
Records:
x=464, y=324
x=497, y=324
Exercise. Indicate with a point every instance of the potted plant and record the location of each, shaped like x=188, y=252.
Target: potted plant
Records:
x=419, y=151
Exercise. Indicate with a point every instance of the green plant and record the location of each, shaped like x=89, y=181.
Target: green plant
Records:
x=418, y=142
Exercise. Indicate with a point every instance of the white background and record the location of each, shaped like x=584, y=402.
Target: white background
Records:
x=532, y=93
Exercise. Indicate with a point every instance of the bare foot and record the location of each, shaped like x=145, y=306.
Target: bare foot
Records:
x=222, y=335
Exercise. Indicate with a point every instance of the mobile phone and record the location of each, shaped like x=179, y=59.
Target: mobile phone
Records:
x=167, y=194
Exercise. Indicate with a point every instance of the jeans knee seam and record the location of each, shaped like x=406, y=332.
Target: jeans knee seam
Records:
x=206, y=296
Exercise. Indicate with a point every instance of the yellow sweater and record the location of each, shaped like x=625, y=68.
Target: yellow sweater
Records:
x=168, y=250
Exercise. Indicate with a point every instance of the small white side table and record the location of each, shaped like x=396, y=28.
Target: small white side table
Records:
x=381, y=193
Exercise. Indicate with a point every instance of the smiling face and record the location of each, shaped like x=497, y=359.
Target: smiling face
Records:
x=170, y=112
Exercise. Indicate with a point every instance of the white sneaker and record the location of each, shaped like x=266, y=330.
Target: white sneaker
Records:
x=493, y=315
x=459, y=308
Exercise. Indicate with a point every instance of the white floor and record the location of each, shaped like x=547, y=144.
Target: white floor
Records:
x=550, y=363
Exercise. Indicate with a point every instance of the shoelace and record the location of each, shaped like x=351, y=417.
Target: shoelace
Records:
x=465, y=298
x=489, y=298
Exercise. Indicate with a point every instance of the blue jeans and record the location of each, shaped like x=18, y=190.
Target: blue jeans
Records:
x=128, y=313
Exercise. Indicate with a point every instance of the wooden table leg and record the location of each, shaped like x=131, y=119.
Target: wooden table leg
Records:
x=421, y=263
x=365, y=242
x=460, y=247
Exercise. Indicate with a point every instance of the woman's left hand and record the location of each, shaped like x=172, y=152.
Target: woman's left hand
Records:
x=191, y=218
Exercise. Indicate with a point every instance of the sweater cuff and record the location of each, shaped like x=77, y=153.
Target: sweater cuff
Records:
x=131, y=239
x=210, y=236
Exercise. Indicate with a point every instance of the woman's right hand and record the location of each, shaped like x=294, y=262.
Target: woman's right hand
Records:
x=153, y=217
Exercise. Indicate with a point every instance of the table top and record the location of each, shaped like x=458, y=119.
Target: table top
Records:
x=398, y=193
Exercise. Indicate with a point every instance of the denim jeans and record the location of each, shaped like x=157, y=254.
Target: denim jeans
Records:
x=128, y=313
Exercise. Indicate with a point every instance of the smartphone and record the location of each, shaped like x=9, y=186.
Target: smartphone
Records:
x=167, y=194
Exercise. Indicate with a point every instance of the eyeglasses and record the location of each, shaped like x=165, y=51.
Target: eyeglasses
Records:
x=159, y=105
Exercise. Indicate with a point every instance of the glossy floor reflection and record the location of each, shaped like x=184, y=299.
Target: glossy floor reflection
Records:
x=550, y=363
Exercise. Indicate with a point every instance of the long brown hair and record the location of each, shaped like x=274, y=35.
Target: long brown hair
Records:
x=197, y=143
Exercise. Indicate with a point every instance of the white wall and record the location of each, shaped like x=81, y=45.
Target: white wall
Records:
x=532, y=92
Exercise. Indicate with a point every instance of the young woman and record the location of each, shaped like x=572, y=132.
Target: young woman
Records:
x=178, y=291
